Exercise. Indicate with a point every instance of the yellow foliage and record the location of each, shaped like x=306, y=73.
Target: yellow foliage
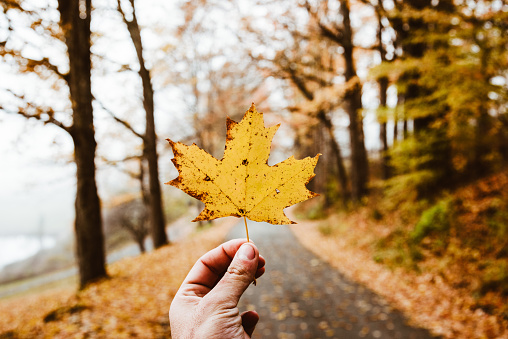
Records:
x=242, y=184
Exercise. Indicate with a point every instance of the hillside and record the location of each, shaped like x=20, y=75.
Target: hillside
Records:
x=444, y=264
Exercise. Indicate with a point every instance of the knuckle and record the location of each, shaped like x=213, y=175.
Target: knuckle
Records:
x=238, y=271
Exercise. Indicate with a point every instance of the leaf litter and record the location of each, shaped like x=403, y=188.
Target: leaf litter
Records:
x=133, y=302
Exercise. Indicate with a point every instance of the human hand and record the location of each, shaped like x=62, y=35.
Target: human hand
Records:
x=206, y=305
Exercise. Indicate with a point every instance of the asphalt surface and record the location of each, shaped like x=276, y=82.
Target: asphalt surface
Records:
x=301, y=296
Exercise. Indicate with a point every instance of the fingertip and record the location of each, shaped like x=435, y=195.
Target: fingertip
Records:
x=260, y=272
x=247, y=251
x=261, y=261
x=249, y=321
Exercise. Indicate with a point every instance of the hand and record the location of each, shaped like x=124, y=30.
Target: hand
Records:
x=206, y=305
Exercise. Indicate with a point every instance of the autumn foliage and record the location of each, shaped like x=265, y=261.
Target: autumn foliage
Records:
x=445, y=268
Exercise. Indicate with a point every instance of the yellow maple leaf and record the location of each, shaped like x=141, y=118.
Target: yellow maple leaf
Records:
x=242, y=184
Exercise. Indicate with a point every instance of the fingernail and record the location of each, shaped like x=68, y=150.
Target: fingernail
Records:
x=246, y=252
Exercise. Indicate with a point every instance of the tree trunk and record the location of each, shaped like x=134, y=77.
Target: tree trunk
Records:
x=405, y=131
x=396, y=116
x=145, y=197
x=353, y=99
x=343, y=179
x=433, y=139
x=383, y=88
x=75, y=23
x=502, y=136
x=482, y=147
x=141, y=243
x=385, y=158
x=158, y=224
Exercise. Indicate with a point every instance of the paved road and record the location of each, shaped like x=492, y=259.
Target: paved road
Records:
x=300, y=296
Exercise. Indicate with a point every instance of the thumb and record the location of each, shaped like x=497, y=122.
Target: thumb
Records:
x=239, y=276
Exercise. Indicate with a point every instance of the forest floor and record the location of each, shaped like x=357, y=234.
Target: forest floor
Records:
x=133, y=302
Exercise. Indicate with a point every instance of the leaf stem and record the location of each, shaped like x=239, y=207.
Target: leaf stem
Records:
x=248, y=240
x=246, y=228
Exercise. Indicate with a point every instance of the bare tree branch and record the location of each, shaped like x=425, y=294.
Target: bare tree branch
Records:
x=31, y=110
x=126, y=124
x=11, y=4
x=300, y=84
x=330, y=33
x=122, y=67
x=32, y=64
x=133, y=175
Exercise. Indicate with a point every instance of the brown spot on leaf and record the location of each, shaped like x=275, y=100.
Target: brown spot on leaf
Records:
x=230, y=124
x=176, y=181
x=200, y=196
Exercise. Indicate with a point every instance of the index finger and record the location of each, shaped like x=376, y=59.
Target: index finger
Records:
x=208, y=270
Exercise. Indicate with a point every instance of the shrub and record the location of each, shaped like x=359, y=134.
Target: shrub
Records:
x=495, y=277
x=435, y=219
x=394, y=251
x=326, y=229
x=316, y=212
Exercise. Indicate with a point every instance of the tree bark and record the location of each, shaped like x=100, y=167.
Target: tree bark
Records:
x=75, y=23
x=385, y=158
x=502, y=136
x=481, y=144
x=405, y=131
x=145, y=198
x=141, y=244
x=353, y=98
x=383, y=87
x=343, y=179
x=158, y=224
x=396, y=116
